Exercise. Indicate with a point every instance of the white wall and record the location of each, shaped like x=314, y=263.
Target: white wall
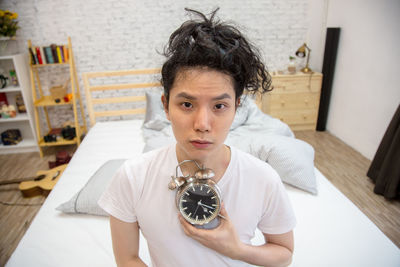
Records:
x=125, y=34
x=316, y=33
x=366, y=88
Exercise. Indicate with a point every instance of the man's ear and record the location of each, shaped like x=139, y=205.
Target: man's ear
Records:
x=165, y=105
x=238, y=102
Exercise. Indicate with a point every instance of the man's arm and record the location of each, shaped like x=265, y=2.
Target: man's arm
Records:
x=277, y=251
x=125, y=240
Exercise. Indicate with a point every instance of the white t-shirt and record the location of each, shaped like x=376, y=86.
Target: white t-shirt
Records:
x=251, y=190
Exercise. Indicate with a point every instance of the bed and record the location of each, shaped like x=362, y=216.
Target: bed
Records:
x=331, y=230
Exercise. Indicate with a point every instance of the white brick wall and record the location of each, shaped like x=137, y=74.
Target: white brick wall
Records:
x=124, y=34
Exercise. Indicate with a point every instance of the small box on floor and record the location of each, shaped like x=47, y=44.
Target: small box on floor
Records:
x=62, y=157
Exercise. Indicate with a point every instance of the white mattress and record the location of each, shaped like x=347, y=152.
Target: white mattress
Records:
x=331, y=230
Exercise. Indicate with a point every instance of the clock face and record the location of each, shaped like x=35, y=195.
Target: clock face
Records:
x=199, y=203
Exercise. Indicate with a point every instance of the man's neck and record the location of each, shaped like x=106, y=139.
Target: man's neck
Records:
x=218, y=163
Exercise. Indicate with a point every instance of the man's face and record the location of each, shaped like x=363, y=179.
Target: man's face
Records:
x=201, y=109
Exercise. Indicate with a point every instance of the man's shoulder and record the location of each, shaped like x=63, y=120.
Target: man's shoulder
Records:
x=148, y=158
x=244, y=157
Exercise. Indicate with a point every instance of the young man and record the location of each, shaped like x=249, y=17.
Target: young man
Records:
x=208, y=66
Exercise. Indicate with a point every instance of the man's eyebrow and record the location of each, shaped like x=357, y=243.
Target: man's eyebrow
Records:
x=190, y=97
x=223, y=96
x=185, y=95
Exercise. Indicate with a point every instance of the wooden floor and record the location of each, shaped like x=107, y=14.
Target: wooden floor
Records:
x=346, y=169
x=343, y=166
x=16, y=212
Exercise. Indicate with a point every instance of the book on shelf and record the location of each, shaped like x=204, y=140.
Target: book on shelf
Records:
x=43, y=56
x=39, y=56
x=49, y=54
x=33, y=58
x=65, y=49
x=59, y=56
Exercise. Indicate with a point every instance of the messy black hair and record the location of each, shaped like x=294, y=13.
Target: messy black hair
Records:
x=212, y=44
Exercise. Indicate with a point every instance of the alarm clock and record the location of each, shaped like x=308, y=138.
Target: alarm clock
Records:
x=198, y=198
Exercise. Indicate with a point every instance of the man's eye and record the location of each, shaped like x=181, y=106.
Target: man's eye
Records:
x=186, y=104
x=219, y=106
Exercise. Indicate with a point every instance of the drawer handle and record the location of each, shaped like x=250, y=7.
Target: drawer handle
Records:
x=304, y=116
x=282, y=103
x=306, y=101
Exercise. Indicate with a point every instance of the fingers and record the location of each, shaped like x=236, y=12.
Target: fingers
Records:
x=223, y=210
x=223, y=213
x=187, y=227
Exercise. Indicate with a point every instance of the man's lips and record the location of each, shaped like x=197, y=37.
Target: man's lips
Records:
x=200, y=143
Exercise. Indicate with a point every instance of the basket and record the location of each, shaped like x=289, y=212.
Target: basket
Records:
x=59, y=91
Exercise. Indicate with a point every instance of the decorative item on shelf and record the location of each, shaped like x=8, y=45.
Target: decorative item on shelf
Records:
x=3, y=99
x=8, y=111
x=13, y=76
x=8, y=23
x=19, y=102
x=11, y=137
x=292, y=65
x=53, y=135
x=4, y=112
x=3, y=81
x=68, y=132
x=8, y=28
x=68, y=98
x=302, y=52
x=59, y=92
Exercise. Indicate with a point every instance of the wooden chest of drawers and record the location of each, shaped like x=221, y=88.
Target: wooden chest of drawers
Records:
x=294, y=99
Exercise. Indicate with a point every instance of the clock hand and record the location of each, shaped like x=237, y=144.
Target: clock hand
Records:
x=196, y=209
x=204, y=205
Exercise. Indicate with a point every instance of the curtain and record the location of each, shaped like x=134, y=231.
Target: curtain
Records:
x=385, y=166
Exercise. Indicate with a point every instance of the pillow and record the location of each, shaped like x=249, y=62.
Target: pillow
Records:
x=291, y=158
x=85, y=201
x=155, y=116
x=242, y=112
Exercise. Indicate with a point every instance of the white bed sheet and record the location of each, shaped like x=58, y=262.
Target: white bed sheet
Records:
x=331, y=230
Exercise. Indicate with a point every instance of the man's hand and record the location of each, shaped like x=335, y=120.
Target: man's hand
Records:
x=223, y=239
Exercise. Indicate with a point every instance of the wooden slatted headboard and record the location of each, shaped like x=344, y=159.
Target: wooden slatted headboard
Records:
x=138, y=84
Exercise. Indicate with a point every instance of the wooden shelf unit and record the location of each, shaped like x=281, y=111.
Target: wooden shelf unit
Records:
x=23, y=121
x=41, y=101
x=294, y=99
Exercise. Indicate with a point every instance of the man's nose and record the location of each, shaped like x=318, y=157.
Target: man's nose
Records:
x=202, y=120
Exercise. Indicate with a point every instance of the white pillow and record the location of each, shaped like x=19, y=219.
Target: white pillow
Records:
x=293, y=159
x=155, y=118
x=85, y=201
